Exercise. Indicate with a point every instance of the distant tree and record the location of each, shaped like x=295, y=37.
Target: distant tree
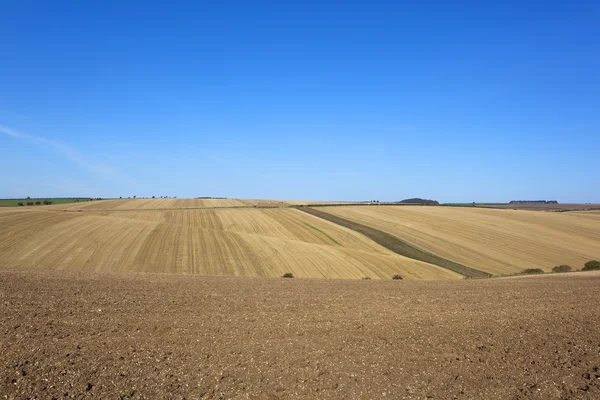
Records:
x=47, y=202
x=288, y=275
x=134, y=197
x=153, y=197
x=37, y=203
x=20, y=204
x=28, y=198
x=30, y=203
x=562, y=268
x=120, y=197
x=593, y=265
x=533, y=271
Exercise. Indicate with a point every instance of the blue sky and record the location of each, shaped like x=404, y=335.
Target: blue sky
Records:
x=456, y=101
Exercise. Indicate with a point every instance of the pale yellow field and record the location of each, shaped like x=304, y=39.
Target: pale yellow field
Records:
x=240, y=242
x=149, y=204
x=496, y=241
x=172, y=204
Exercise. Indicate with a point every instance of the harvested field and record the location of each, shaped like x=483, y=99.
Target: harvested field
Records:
x=86, y=335
x=238, y=242
x=150, y=204
x=494, y=241
x=397, y=245
x=173, y=204
x=545, y=207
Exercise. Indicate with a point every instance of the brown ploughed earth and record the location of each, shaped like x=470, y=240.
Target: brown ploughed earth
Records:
x=68, y=334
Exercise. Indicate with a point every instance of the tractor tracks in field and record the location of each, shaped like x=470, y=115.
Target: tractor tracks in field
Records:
x=396, y=244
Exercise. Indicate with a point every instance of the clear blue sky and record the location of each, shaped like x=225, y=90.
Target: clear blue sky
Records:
x=455, y=101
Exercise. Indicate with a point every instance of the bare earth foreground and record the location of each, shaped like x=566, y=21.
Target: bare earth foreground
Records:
x=90, y=335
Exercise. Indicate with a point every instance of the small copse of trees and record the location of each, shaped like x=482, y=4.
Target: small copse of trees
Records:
x=593, y=265
x=530, y=271
x=562, y=268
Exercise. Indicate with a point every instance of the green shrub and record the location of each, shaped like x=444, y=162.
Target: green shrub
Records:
x=48, y=202
x=20, y=204
x=562, y=268
x=37, y=203
x=30, y=203
x=397, y=277
x=593, y=265
x=529, y=271
x=288, y=275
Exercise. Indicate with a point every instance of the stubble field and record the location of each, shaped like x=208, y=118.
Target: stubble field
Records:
x=237, y=242
x=232, y=237
x=491, y=240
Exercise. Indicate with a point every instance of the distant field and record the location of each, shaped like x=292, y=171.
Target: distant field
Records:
x=235, y=241
x=543, y=207
x=15, y=202
x=169, y=204
x=269, y=238
x=491, y=240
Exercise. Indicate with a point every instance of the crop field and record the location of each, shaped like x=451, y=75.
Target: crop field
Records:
x=238, y=242
x=60, y=200
x=490, y=240
x=545, y=207
x=173, y=204
x=271, y=238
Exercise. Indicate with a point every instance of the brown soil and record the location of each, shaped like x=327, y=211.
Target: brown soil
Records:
x=397, y=245
x=85, y=335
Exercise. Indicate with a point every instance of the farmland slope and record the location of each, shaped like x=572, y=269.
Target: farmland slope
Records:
x=239, y=242
x=495, y=241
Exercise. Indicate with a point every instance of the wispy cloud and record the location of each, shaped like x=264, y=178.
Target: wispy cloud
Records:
x=68, y=152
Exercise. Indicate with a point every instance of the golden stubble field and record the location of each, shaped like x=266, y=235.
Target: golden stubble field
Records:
x=213, y=241
x=231, y=237
x=491, y=240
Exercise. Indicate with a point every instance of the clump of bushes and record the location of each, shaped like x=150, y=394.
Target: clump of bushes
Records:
x=593, y=265
x=366, y=278
x=30, y=203
x=288, y=275
x=37, y=203
x=397, y=277
x=48, y=202
x=530, y=271
x=562, y=268
x=20, y=204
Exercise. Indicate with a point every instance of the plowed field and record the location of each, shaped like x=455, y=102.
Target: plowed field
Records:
x=66, y=334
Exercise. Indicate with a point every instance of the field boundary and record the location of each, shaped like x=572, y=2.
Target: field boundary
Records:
x=397, y=245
